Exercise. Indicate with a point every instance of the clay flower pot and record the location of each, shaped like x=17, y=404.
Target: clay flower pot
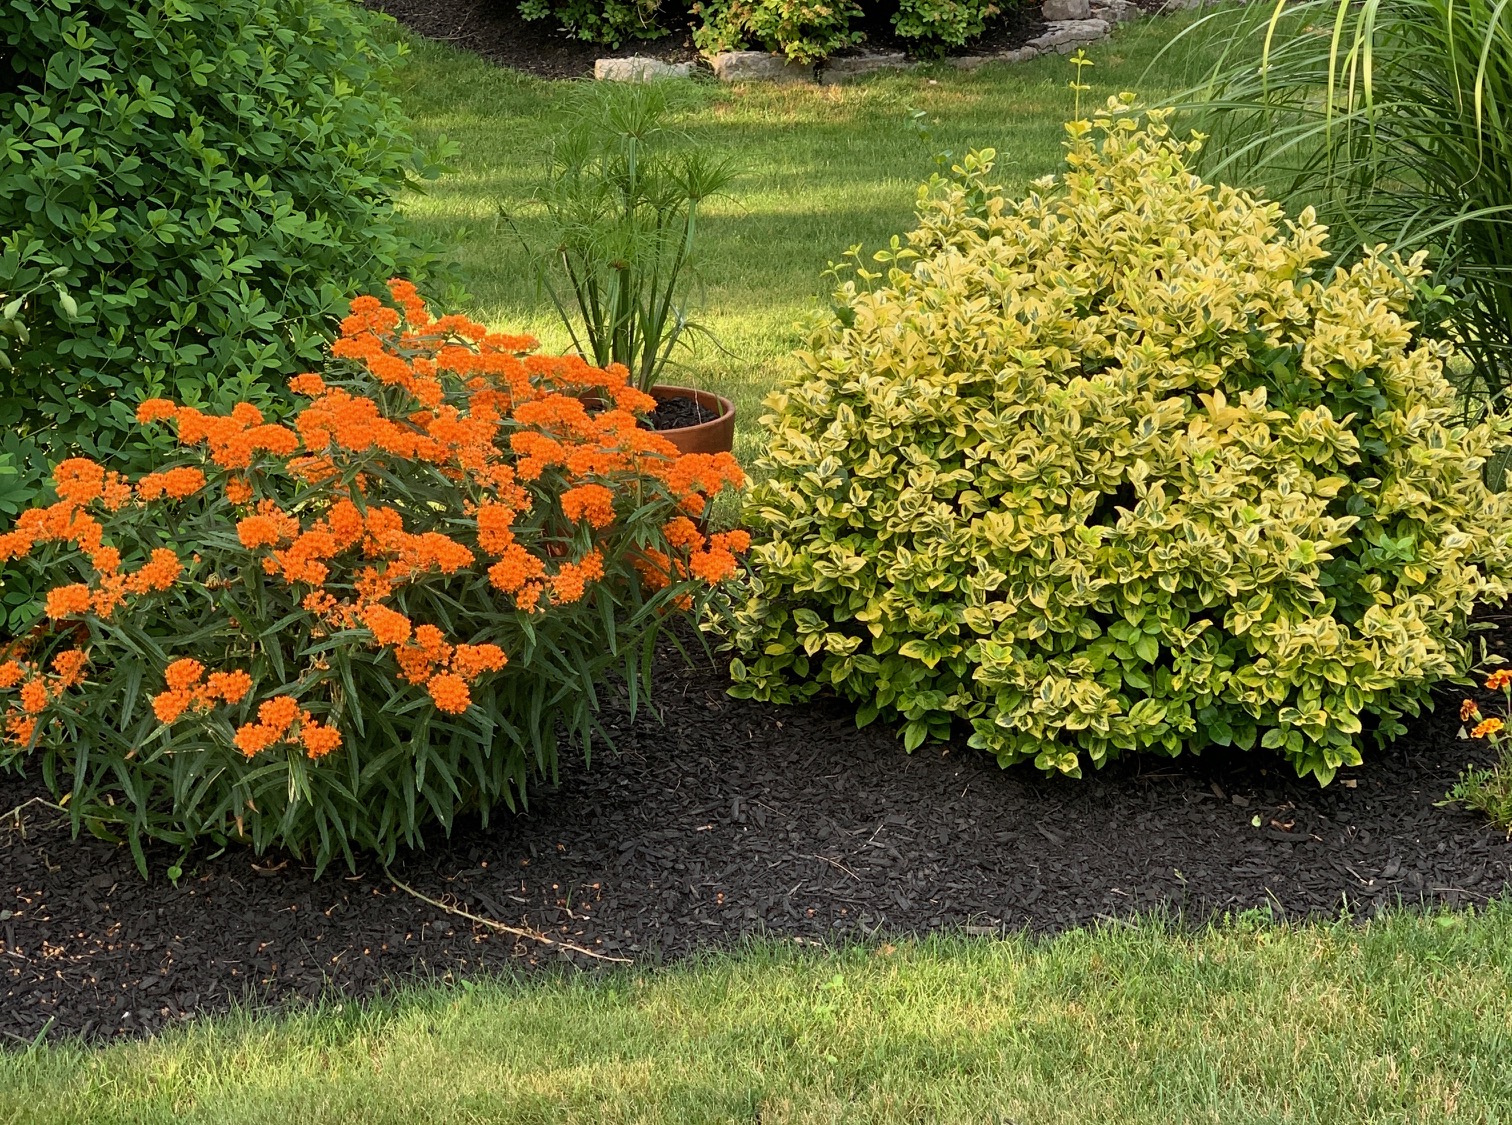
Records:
x=714, y=436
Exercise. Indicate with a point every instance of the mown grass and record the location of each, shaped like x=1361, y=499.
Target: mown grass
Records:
x=826, y=168
x=1401, y=1020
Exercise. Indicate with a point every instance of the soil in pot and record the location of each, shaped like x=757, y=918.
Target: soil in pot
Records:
x=676, y=413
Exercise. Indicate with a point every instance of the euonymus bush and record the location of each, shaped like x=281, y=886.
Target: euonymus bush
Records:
x=214, y=178
x=388, y=606
x=1113, y=468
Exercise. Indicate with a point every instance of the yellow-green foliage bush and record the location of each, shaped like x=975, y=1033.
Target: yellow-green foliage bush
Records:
x=1119, y=468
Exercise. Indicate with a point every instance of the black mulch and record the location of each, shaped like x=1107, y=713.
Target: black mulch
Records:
x=735, y=819
x=494, y=30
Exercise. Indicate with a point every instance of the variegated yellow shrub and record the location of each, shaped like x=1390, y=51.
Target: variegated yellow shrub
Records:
x=1121, y=467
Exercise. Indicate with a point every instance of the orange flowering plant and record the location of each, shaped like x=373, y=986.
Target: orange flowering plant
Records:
x=391, y=604
x=1488, y=790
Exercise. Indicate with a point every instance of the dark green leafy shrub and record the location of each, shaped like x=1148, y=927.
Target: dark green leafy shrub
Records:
x=1113, y=468
x=610, y=22
x=943, y=23
x=213, y=177
x=804, y=30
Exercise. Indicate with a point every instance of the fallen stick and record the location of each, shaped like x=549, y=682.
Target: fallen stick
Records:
x=532, y=935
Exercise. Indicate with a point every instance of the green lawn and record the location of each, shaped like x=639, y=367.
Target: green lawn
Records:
x=827, y=167
x=1405, y=1020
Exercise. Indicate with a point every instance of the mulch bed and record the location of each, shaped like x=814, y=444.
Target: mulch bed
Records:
x=494, y=30
x=734, y=819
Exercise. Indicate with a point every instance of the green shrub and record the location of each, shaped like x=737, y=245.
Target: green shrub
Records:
x=388, y=608
x=943, y=23
x=213, y=177
x=1110, y=469
x=610, y=22
x=804, y=30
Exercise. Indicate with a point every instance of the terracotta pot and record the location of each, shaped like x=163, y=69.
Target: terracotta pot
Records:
x=715, y=436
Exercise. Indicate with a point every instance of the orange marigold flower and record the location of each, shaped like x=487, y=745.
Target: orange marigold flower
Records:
x=33, y=696
x=1483, y=728
x=278, y=713
x=389, y=627
x=1468, y=710
x=62, y=601
x=1499, y=679
x=169, y=705
x=69, y=666
x=11, y=673
x=449, y=692
x=155, y=409
x=183, y=674
x=230, y=687
x=319, y=740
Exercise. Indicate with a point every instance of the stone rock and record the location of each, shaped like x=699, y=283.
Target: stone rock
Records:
x=758, y=66
x=1018, y=55
x=854, y=66
x=1116, y=11
x=1065, y=36
x=638, y=69
x=1056, y=11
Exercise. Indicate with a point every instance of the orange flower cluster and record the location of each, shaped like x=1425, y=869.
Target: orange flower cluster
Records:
x=522, y=461
x=711, y=558
x=280, y=719
x=188, y=687
x=37, y=688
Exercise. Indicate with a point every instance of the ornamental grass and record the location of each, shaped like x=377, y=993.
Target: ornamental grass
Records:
x=325, y=633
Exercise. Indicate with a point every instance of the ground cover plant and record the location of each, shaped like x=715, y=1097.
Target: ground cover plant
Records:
x=1113, y=468
x=1396, y=1020
x=214, y=178
x=324, y=669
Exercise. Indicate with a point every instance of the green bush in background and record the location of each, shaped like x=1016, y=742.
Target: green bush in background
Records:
x=1111, y=469
x=214, y=178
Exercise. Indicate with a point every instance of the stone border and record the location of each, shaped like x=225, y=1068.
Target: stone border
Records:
x=1069, y=24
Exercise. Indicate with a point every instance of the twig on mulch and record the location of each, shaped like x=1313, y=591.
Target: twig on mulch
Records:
x=14, y=815
x=531, y=935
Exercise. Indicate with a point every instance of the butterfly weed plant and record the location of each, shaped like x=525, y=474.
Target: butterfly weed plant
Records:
x=391, y=604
